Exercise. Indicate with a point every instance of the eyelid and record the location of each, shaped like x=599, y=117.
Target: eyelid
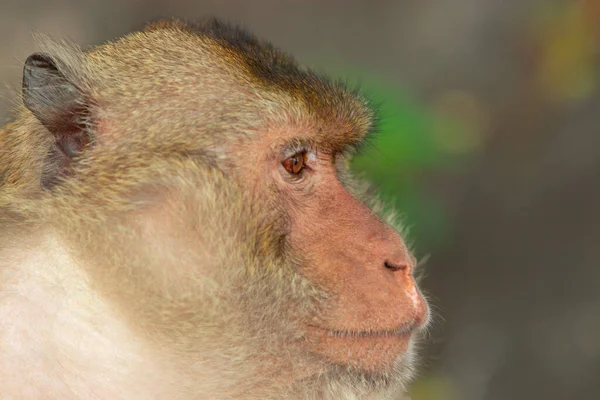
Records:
x=292, y=150
x=311, y=156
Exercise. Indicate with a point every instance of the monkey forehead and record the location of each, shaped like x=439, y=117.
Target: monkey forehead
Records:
x=231, y=72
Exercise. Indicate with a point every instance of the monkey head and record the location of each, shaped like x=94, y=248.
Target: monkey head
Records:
x=199, y=177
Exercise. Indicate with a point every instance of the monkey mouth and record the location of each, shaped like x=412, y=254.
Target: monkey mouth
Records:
x=399, y=331
x=371, y=350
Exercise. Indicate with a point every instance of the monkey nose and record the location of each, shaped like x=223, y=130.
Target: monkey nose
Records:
x=392, y=266
x=404, y=267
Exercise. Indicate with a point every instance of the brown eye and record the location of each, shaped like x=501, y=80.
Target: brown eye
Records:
x=295, y=164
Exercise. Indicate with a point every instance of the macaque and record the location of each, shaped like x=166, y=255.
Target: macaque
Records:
x=178, y=221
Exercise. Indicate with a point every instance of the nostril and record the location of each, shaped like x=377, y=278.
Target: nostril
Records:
x=394, y=267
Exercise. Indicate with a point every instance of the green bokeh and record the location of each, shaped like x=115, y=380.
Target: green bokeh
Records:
x=394, y=158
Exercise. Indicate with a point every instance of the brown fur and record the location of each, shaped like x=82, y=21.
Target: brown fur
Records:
x=168, y=214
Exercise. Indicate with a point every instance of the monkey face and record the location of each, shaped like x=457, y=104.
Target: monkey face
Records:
x=375, y=307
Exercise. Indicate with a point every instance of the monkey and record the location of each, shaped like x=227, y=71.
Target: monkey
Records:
x=178, y=220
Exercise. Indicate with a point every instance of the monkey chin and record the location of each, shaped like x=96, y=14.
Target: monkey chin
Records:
x=378, y=353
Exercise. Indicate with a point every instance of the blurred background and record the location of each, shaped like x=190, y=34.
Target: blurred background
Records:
x=489, y=146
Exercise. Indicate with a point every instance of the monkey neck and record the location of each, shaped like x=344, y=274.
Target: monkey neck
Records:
x=52, y=321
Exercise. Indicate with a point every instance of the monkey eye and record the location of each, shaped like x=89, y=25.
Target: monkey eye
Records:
x=296, y=163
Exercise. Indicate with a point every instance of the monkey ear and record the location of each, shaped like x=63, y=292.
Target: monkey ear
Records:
x=56, y=102
x=61, y=107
